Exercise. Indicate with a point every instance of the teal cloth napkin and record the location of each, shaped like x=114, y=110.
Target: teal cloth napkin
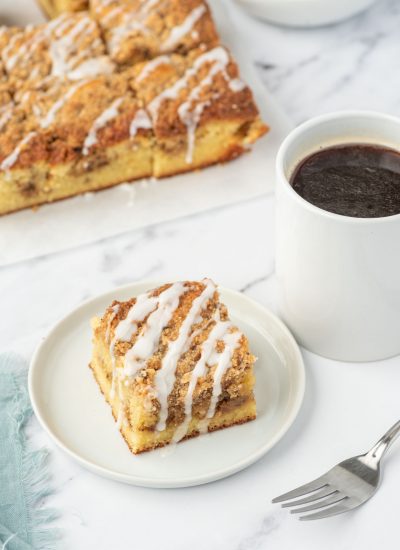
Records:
x=24, y=478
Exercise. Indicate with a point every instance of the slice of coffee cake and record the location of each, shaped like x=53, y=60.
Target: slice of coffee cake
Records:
x=172, y=365
x=136, y=30
x=202, y=113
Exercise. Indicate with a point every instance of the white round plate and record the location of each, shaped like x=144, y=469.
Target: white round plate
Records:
x=71, y=408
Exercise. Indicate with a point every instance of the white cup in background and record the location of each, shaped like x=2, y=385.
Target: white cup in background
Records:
x=305, y=13
x=338, y=276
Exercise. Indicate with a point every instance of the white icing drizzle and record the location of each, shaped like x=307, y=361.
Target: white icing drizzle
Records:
x=179, y=31
x=22, y=52
x=9, y=161
x=200, y=370
x=221, y=332
x=191, y=121
x=145, y=304
x=147, y=5
x=61, y=48
x=10, y=61
x=91, y=68
x=169, y=93
x=112, y=13
x=102, y=120
x=51, y=114
x=231, y=341
x=149, y=336
x=58, y=24
x=129, y=23
x=165, y=376
x=25, y=96
x=62, y=34
x=151, y=66
x=64, y=26
x=99, y=5
x=127, y=327
x=37, y=111
x=5, y=114
x=236, y=85
x=157, y=312
x=189, y=115
x=140, y=120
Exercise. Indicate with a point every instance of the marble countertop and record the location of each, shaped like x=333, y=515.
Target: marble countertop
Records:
x=347, y=406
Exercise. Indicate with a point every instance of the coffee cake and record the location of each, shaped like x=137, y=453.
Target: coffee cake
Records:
x=76, y=116
x=172, y=365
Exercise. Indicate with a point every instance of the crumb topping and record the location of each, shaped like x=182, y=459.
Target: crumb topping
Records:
x=178, y=341
x=125, y=70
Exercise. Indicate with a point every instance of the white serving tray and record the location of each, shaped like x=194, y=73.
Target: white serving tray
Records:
x=92, y=217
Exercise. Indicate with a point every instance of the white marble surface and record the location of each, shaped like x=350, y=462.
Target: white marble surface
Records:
x=346, y=406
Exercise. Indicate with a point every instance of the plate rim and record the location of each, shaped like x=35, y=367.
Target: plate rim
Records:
x=144, y=481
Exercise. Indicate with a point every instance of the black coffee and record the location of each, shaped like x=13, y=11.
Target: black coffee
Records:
x=362, y=181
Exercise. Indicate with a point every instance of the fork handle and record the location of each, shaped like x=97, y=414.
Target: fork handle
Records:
x=380, y=448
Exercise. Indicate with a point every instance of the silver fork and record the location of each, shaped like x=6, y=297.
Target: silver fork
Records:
x=344, y=487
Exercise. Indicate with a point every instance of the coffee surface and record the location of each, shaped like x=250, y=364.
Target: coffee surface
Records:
x=361, y=181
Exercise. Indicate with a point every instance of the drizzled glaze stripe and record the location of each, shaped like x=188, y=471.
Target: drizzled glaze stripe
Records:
x=130, y=22
x=9, y=161
x=89, y=68
x=217, y=56
x=148, y=338
x=180, y=31
x=190, y=115
x=126, y=328
x=64, y=35
x=141, y=120
x=6, y=112
x=101, y=121
x=50, y=117
x=231, y=341
x=151, y=66
x=200, y=371
x=157, y=312
x=222, y=331
x=62, y=47
x=165, y=376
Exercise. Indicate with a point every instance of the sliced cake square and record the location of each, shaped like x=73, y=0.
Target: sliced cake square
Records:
x=53, y=141
x=69, y=47
x=201, y=111
x=172, y=365
x=136, y=30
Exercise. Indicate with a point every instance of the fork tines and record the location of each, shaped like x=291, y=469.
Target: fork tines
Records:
x=317, y=494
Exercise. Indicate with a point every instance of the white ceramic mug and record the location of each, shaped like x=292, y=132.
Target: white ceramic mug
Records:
x=305, y=13
x=338, y=276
